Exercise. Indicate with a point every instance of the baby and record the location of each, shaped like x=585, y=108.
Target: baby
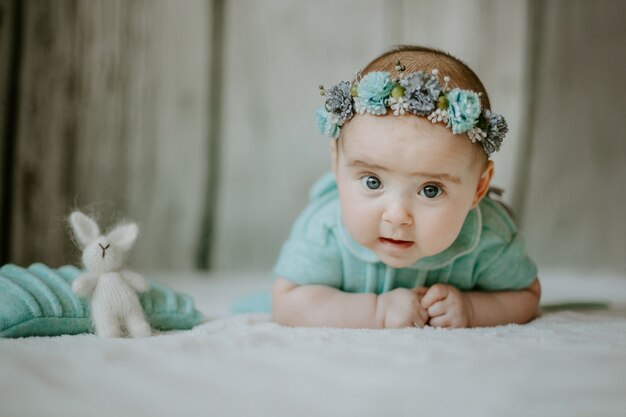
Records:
x=402, y=232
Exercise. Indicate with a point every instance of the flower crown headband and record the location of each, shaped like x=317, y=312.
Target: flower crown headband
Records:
x=418, y=93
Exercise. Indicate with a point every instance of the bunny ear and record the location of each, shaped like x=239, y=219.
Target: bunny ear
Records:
x=84, y=227
x=124, y=235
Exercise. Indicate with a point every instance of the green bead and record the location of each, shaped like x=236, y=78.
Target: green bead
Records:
x=353, y=90
x=397, y=91
x=442, y=103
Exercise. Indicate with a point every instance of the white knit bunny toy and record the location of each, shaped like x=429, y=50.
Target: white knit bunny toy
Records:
x=115, y=306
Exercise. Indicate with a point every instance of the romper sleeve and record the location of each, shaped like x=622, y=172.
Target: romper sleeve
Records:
x=305, y=262
x=502, y=262
x=505, y=265
x=311, y=255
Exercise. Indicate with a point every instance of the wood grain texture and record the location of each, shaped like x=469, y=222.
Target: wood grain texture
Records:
x=576, y=197
x=6, y=37
x=490, y=37
x=112, y=119
x=5, y=65
x=277, y=54
x=279, y=51
x=7, y=72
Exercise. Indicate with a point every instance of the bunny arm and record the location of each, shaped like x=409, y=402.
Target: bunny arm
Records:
x=84, y=284
x=135, y=280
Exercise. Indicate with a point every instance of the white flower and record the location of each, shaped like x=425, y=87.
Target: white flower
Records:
x=361, y=108
x=476, y=134
x=398, y=105
x=438, y=116
x=358, y=106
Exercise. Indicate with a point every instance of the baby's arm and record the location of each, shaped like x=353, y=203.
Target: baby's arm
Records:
x=449, y=307
x=324, y=306
x=503, y=307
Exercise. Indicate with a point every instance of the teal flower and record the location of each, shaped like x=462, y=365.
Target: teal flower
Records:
x=372, y=93
x=463, y=110
x=326, y=123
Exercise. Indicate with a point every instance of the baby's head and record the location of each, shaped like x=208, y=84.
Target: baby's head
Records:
x=406, y=184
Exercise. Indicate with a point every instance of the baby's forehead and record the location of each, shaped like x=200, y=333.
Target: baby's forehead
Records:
x=361, y=125
x=397, y=160
x=405, y=139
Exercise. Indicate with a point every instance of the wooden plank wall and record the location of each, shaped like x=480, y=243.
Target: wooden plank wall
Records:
x=575, y=199
x=272, y=151
x=112, y=119
x=7, y=72
x=114, y=115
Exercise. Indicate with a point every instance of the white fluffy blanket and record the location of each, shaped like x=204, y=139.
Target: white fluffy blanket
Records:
x=565, y=363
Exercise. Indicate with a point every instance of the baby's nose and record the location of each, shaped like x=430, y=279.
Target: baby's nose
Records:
x=398, y=214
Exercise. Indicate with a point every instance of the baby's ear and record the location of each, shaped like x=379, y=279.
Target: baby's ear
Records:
x=483, y=183
x=124, y=235
x=84, y=227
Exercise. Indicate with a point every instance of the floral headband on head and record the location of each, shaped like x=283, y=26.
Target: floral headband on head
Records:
x=418, y=93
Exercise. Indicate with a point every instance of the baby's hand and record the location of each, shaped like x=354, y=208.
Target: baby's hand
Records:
x=447, y=306
x=401, y=308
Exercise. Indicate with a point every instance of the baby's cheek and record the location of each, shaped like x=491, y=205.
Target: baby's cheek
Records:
x=438, y=235
x=359, y=222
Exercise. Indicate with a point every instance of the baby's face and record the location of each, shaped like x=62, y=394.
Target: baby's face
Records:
x=405, y=185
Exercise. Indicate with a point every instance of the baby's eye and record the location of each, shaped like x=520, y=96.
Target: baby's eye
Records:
x=431, y=191
x=371, y=182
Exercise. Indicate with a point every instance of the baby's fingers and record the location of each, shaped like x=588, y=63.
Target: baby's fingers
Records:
x=440, y=321
x=420, y=291
x=435, y=293
x=421, y=319
x=449, y=321
x=437, y=309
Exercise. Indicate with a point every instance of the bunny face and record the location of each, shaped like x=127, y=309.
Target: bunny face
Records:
x=102, y=253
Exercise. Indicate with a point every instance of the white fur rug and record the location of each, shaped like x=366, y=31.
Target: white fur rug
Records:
x=565, y=363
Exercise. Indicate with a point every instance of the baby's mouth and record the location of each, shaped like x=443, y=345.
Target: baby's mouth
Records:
x=397, y=244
